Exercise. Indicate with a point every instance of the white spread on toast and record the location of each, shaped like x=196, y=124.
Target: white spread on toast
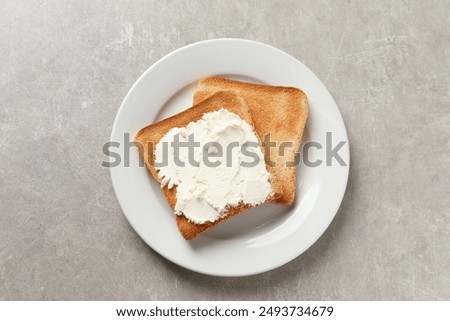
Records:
x=204, y=193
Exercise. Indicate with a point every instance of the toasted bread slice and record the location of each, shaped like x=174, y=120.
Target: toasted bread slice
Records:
x=280, y=112
x=147, y=138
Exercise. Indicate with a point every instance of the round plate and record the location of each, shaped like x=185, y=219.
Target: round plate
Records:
x=267, y=236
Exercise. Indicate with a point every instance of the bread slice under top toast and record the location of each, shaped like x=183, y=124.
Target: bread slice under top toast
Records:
x=147, y=138
x=280, y=112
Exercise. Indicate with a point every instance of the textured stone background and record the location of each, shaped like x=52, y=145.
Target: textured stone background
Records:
x=65, y=67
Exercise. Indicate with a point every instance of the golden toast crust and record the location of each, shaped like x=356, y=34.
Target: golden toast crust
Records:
x=280, y=112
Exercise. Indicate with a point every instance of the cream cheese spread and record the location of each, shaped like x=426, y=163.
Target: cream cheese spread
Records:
x=225, y=168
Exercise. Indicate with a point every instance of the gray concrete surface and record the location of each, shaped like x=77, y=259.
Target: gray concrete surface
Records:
x=65, y=67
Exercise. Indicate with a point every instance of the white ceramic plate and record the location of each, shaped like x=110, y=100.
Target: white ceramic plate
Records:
x=265, y=237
